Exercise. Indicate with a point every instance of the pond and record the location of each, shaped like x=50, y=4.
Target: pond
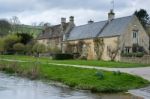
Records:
x=12, y=87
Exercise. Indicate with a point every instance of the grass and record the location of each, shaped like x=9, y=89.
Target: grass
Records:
x=79, y=78
x=78, y=62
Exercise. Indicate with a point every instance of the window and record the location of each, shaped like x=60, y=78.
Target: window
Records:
x=135, y=33
x=127, y=50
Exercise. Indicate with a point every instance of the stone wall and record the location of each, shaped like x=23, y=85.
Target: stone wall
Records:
x=55, y=42
x=126, y=39
x=108, y=42
x=144, y=60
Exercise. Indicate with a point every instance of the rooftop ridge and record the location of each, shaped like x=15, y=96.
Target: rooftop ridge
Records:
x=103, y=21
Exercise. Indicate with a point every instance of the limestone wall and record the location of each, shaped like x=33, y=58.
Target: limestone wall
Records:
x=50, y=42
x=126, y=38
x=143, y=60
x=108, y=42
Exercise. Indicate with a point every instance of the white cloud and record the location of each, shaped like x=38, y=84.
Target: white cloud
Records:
x=52, y=10
x=53, y=16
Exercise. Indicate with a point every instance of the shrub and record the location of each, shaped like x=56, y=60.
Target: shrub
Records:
x=116, y=72
x=19, y=47
x=138, y=54
x=62, y=56
x=100, y=75
x=39, y=48
x=9, y=41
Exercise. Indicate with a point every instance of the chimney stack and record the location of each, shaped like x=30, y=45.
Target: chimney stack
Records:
x=111, y=15
x=63, y=20
x=72, y=19
x=90, y=21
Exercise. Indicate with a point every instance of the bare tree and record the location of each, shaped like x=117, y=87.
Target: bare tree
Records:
x=15, y=22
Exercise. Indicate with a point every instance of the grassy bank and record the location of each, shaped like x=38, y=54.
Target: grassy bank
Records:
x=88, y=79
x=77, y=62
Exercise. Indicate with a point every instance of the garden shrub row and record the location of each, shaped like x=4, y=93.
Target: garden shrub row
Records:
x=138, y=54
x=62, y=56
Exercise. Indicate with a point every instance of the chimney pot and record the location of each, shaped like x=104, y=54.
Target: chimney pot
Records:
x=90, y=21
x=72, y=19
x=111, y=15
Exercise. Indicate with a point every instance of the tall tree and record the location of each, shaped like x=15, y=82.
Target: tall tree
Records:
x=5, y=27
x=142, y=16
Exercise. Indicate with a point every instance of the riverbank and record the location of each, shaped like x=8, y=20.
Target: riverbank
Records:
x=97, y=63
x=37, y=89
x=87, y=79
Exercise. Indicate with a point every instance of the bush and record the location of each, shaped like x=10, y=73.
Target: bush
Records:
x=62, y=56
x=9, y=41
x=138, y=54
x=39, y=48
x=19, y=47
x=28, y=47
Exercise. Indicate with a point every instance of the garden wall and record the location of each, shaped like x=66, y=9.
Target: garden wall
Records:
x=144, y=60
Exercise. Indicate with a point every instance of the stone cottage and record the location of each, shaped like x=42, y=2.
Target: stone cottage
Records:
x=107, y=39
x=53, y=35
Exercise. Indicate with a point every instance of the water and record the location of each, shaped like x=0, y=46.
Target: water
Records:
x=19, y=88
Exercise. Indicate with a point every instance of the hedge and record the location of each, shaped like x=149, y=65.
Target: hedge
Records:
x=62, y=56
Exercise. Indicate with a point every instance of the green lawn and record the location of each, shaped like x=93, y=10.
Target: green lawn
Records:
x=76, y=62
x=79, y=78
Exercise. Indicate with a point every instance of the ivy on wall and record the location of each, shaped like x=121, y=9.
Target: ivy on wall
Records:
x=98, y=47
x=113, y=51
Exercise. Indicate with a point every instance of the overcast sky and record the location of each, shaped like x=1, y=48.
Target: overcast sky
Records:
x=31, y=11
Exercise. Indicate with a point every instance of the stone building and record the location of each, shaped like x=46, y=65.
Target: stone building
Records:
x=105, y=40
x=53, y=35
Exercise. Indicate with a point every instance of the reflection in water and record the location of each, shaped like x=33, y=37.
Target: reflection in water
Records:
x=17, y=88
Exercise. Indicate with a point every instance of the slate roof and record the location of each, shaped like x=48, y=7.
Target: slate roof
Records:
x=100, y=29
x=52, y=32
x=86, y=31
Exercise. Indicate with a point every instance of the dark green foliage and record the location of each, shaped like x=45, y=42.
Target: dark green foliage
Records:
x=138, y=54
x=100, y=75
x=9, y=41
x=5, y=27
x=62, y=56
x=25, y=38
x=142, y=16
x=116, y=72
